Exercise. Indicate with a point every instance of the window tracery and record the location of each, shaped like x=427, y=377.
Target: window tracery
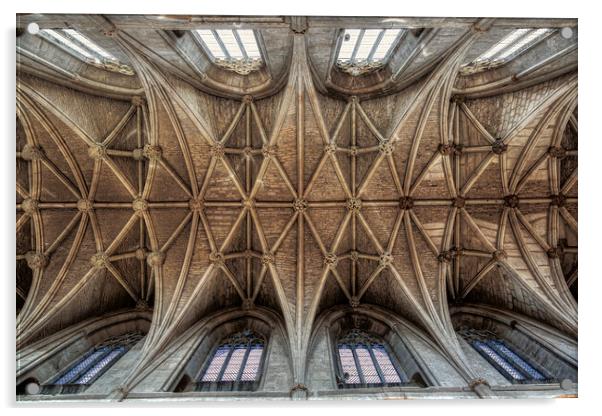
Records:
x=365, y=360
x=233, y=49
x=365, y=50
x=507, y=361
x=235, y=364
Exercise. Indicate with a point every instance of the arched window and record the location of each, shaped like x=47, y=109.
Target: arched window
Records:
x=365, y=362
x=92, y=365
x=503, y=357
x=235, y=50
x=235, y=364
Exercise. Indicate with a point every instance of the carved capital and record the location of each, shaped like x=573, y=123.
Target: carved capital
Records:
x=97, y=152
x=478, y=382
x=330, y=148
x=142, y=305
x=155, y=258
x=299, y=392
x=267, y=259
x=558, y=200
x=331, y=260
x=459, y=202
x=31, y=152
x=511, y=201
x=406, y=202
x=140, y=254
x=300, y=205
x=385, y=147
x=36, y=260
x=385, y=259
x=196, y=204
x=247, y=99
x=139, y=205
x=217, y=150
x=85, y=205
x=557, y=152
x=354, y=204
x=298, y=24
x=269, y=151
x=498, y=147
x=499, y=255
x=247, y=304
x=152, y=152
x=30, y=206
x=99, y=260
x=354, y=302
x=445, y=257
x=554, y=252
x=216, y=258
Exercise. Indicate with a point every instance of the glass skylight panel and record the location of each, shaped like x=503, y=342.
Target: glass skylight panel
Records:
x=236, y=50
x=506, y=49
x=85, y=49
x=364, y=50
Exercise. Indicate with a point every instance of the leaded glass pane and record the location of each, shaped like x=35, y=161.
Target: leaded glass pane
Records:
x=367, y=365
x=348, y=365
x=516, y=359
x=234, y=364
x=386, y=366
x=252, y=366
x=217, y=362
x=105, y=362
x=499, y=360
x=84, y=364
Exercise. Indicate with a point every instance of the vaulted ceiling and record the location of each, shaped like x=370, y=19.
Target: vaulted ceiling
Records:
x=187, y=188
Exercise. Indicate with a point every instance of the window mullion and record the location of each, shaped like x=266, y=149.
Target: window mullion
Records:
x=358, y=366
x=375, y=45
x=376, y=366
x=221, y=44
x=243, y=363
x=495, y=57
x=357, y=45
x=240, y=44
x=224, y=365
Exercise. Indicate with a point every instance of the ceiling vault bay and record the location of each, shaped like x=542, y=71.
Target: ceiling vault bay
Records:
x=188, y=200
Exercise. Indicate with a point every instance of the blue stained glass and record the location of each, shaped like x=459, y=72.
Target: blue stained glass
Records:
x=516, y=359
x=234, y=364
x=367, y=365
x=217, y=362
x=84, y=364
x=498, y=359
x=100, y=365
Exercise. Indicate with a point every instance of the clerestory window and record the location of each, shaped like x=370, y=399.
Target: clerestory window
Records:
x=501, y=356
x=83, y=48
x=235, y=364
x=233, y=49
x=365, y=362
x=92, y=365
x=365, y=50
x=512, y=45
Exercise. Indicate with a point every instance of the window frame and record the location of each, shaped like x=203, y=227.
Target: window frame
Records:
x=476, y=66
x=236, y=65
x=238, y=384
x=472, y=336
x=96, y=60
x=124, y=343
x=369, y=66
x=341, y=340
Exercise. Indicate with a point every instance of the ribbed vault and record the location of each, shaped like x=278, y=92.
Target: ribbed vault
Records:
x=176, y=197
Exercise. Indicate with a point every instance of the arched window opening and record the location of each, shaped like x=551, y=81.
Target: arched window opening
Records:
x=88, y=368
x=235, y=50
x=235, y=364
x=365, y=50
x=504, y=358
x=508, y=48
x=366, y=362
x=83, y=48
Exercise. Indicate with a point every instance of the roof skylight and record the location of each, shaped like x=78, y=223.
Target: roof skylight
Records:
x=365, y=50
x=506, y=49
x=236, y=50
x=88, y=51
